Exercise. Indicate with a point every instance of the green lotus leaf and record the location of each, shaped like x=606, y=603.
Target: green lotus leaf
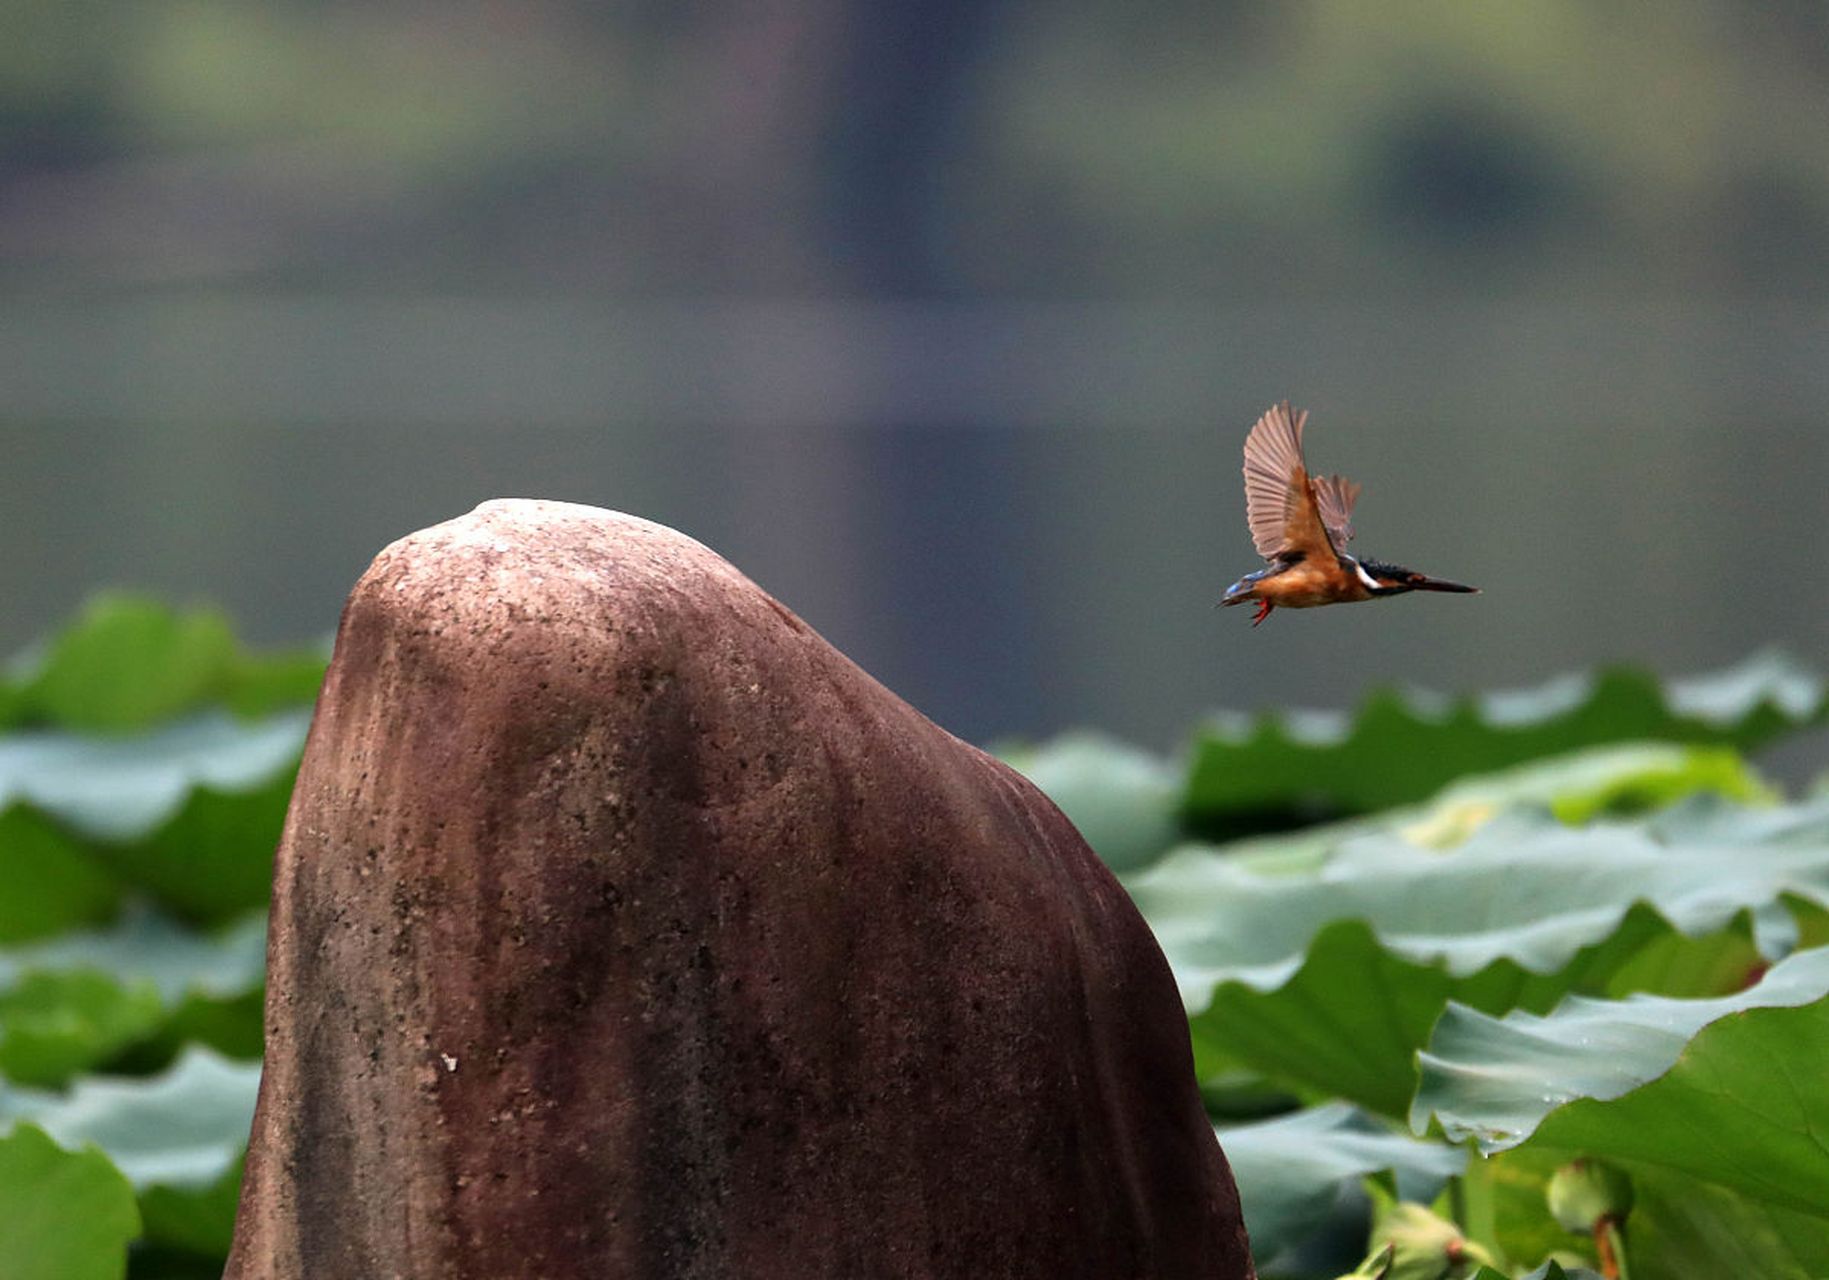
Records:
x=122, y=789
x=1684, y=1227
x=69, y=1215
x=129, y=662
x=128, y=995
x=271, y=683
x=232, y=1025
x=1707, y=1103
x=1293, y=1171
x=1524, y=889
x=1580, y=787
x=198, y=1221
x=189, y=812
x=1124, y=800
x=1127, y=802
x=1725, y=1090
x=212, y=861
x=55, y=1024
x=178, y=1138
x=144, y=946
x=52, y=881
x=1704, y=820
x=1349, y=1022
x=1332, y=980
x=1401, y=748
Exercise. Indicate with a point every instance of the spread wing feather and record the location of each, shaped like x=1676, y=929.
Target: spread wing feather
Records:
x=1335, y=496
x=1283, y=508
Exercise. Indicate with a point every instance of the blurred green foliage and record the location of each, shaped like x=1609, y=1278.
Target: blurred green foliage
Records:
x=144, y=772
x=130, y=662
x=69, y=1213
x=1343, y=147
x=1295, y=768
x=1439, y=864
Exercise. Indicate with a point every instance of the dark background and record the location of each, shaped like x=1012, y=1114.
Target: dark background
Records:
x=944, y=321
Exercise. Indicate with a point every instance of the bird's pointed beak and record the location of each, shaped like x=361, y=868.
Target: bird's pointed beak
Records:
x=1442, y=584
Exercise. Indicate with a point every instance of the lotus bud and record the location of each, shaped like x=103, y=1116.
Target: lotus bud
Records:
x=1424, y=1246
x=1585, y=1193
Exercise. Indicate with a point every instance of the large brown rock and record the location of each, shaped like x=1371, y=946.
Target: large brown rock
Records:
x=623, y=928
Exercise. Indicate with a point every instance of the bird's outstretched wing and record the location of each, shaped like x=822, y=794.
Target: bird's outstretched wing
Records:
x=1290, y=516
x=1335, y=496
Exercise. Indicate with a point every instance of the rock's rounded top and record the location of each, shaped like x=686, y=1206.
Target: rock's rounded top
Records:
x=583, y=589
x=524, y=520
x=531, y=551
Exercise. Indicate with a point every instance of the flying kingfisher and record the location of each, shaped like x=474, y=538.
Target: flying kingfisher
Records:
x=1301, y=524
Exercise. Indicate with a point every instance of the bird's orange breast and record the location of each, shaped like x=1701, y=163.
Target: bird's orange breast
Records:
x=1312, y=583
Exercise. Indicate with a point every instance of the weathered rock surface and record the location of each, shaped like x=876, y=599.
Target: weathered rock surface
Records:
x=623, y=928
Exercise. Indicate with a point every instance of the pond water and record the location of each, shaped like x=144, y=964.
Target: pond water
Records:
x=1017, y=515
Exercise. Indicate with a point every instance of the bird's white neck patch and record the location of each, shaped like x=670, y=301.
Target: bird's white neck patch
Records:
x=1371, y=583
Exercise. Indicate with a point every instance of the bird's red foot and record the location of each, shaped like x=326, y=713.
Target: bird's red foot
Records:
x=1263, y=611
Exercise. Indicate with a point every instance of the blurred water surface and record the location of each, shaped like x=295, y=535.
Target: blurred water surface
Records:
x=1016, y=515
